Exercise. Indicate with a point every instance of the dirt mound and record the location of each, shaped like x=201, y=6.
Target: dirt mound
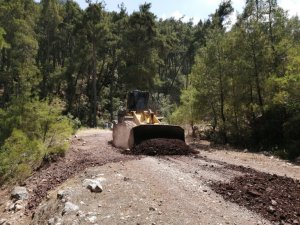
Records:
x=275, y=197
x=161, y=146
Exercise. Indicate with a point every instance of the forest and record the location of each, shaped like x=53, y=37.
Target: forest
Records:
x=62, y=67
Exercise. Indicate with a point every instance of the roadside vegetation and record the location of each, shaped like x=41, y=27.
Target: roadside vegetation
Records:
x=31, y=132
x=246, y=81
x=62, y=66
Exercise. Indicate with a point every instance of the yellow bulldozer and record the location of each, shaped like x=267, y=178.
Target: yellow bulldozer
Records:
x=139, y=123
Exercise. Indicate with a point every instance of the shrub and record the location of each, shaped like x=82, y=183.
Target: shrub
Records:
x=292, y=136
x=19, y=155
x=29, y=132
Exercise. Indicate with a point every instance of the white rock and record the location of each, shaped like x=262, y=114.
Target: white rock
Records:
x=69, y=207
x=273, y=202
x=61, y=194
x=2, y=221
x=54, y=221
x=18, y=207
x=80, y=214
x=19, y=193
x=271, y=209
x=51, y=221
x=11, y=207
x=92, y=219
x=94, y=185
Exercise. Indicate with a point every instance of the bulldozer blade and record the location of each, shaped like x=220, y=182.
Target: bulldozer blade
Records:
x=141, y=133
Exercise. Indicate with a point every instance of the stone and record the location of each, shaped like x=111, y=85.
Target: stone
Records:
x=271, y=209
x=19, y=193
x=152, y=208
x=254, y=193
x=18, y=207
x=54, y=221
x=94, y=185
x=92, y=219
x=273, y=202
x=80, y=214
x=11, y=207
x=61, y=194
x=2, y=221
x=69, y=207
x=51, y=221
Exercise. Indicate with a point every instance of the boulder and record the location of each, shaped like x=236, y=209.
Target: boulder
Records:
x=19, y=193
x=70, y=207
x=94, y=185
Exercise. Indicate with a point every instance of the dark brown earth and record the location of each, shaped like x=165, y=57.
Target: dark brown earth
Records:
x=276, y=198
x=161, y=146
x=77, y=159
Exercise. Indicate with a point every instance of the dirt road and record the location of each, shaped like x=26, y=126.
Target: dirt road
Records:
x=144, y=190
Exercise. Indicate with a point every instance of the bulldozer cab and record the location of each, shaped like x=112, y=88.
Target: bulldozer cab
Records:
x=137, y=100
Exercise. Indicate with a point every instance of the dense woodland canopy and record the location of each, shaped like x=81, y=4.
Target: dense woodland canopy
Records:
x=62, y=67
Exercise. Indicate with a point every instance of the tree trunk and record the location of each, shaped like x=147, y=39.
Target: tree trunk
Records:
x=215, y=124
x=222, y=99
x=257, y=82
x=94, y=87
x=111, y=109
x=274, y=64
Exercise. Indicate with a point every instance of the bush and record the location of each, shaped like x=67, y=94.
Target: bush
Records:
x=292, y=136
x=29, y=132
x=268, y=129
x=19, y=155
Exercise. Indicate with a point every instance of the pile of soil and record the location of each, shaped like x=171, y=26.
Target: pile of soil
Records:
x=275, y=197
x=161, y=146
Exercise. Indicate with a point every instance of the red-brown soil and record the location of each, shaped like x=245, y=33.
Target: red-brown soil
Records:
x=85, y=152
x=161, y=146
x=276, y=198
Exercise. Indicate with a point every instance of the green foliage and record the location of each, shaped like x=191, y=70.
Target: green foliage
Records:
x=3, y=43
x=246, y=80
x=19, y=155
x=140, y=51
x=31, y=130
